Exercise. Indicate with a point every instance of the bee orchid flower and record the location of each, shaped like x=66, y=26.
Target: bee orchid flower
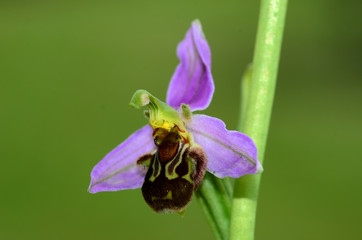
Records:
x=169, y=156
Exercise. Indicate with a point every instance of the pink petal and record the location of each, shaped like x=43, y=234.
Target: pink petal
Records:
x=118, y=170
x=192, y=81
x=229, y=153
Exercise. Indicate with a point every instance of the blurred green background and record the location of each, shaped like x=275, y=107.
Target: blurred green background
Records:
x=68, y=70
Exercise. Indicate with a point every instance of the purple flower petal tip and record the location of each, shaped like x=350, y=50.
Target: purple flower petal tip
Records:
x=192, y=82
x=230, y=153
x=118, y=170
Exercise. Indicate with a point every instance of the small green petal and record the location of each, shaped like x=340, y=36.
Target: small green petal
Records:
x=186, y=111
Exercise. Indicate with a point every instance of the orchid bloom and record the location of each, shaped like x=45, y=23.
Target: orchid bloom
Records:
x=169, y=156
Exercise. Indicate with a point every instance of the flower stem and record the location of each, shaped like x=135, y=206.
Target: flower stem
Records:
x=255, y=122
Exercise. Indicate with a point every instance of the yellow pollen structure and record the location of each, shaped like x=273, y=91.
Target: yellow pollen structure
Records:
x=162, y=124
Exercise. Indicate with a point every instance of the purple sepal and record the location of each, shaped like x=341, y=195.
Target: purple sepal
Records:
x=192, y=82
x=119, y=170
x=229, y=153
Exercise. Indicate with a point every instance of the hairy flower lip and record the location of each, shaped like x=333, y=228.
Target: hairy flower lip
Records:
x=229, y=153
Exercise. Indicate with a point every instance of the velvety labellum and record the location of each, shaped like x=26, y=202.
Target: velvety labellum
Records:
x=175, y=171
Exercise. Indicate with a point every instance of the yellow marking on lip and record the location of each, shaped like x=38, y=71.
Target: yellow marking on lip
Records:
x=187, y=176
x=179, y=161
x=167, y=197
x=154, y=176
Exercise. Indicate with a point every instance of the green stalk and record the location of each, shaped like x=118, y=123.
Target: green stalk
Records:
x=255, y=121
